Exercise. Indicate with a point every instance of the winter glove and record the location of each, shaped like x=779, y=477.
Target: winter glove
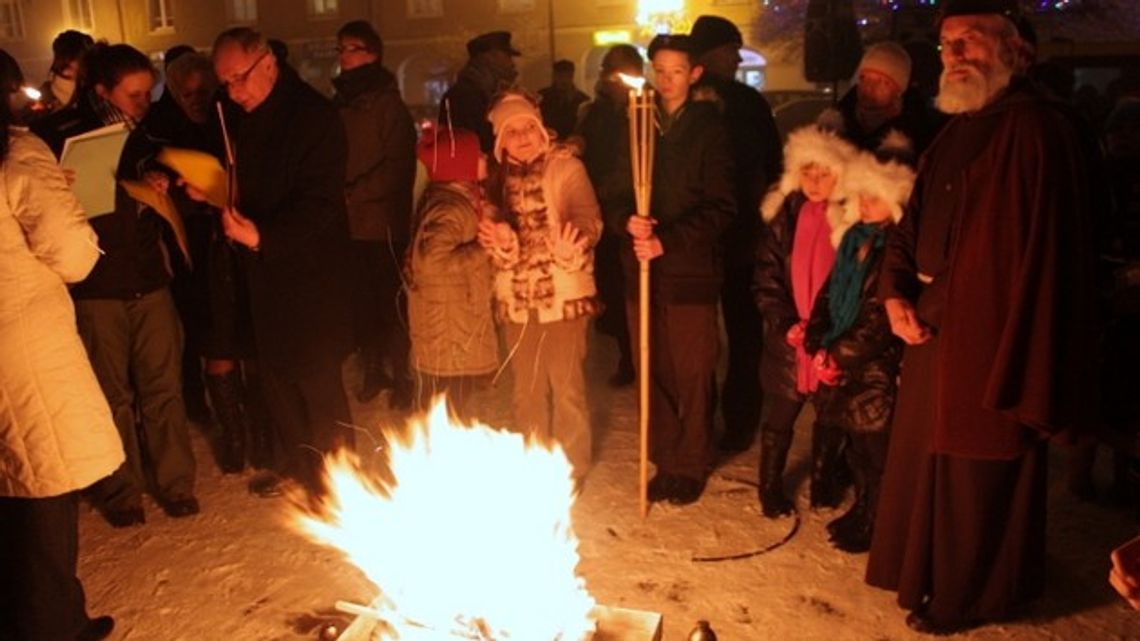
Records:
x=825, y=367
x=796, y=334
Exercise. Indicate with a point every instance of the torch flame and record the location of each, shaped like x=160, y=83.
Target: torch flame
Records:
x=472, y=538
x=633, y=82
x=32, y=93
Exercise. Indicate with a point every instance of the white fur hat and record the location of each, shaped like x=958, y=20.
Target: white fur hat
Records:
x=512, y=105
x=814, y=145
x=887, y=179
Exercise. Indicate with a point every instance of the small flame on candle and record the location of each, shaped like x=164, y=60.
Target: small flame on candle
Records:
x=633, y=82
x=32, y=92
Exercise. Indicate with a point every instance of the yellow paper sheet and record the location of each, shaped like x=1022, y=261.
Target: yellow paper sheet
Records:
x=200, y=170
x=93, y=157
x=162, y=204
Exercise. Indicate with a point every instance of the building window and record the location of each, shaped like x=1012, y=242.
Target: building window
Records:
x=161, y=15
x=79, y=14
x=515, y=6
x=323, y=8
x=425, y=8
x=11, y=20
x=241, y=10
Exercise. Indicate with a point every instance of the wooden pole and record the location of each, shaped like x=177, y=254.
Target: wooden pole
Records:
x=642, y=138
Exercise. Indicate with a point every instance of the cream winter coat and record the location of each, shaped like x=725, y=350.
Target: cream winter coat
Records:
x=568, y=197
x=56, y=432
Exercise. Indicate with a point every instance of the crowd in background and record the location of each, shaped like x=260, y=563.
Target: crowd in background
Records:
x=923, y=270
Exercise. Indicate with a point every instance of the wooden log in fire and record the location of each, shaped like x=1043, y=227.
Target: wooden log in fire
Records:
x=614, y=624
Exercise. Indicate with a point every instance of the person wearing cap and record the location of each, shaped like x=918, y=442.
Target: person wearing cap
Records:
x=693, y=203
x=449, y=276
x=490, y=69
x=561, y=100
x=989, y=279
x=882, y=101
x=542, y=248
x=378, y=190
x=756, y=152
x=609, y=173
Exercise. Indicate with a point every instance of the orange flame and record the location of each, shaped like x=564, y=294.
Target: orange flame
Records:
x=473, y=538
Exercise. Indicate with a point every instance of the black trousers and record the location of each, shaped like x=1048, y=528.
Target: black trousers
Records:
x=380, y=307
x=41, y=599
x=741, y=398
x=684, y=344
x=310, y=415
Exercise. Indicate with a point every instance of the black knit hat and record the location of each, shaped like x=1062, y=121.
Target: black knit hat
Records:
x=1008, y=8
x=493, y=41
x=710, y=32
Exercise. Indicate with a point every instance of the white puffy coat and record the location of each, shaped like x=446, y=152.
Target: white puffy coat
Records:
x=56, y=431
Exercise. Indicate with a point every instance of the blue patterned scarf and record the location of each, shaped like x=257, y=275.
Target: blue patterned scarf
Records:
x=847, y=276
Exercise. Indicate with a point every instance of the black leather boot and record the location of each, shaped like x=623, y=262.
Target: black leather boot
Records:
x=773, y=457
x=261, y=448
x=829, y=476
x=227, y=396
x=852, y=531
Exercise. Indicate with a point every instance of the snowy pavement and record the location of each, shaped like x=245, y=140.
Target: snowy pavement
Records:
x=237, y=571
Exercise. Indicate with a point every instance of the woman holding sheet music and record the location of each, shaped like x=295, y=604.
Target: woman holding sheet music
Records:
x=125, y=312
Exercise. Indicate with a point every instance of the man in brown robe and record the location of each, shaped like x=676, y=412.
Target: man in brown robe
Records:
x=988, y=279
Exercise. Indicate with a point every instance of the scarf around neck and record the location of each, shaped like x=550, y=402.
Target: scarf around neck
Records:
x=847, y=276
x=811, y=261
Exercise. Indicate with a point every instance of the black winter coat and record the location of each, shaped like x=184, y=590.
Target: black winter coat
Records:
x=918, y=122
x=134, y=261
x=867, y=353
x=693, y=202
x=381, y=166
x=772, y=287
x=290, y=154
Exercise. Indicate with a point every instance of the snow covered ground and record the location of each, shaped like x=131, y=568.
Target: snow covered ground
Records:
x=238, y=572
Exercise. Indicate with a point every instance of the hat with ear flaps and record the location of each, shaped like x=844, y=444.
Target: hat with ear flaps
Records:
x=810, y=145
x=512, y=105
x=883, y=174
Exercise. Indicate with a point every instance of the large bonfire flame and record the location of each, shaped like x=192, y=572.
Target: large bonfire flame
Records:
x=472, y=539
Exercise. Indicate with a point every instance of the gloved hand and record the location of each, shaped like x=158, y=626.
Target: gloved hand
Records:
x=796, y=333
x=828, y=372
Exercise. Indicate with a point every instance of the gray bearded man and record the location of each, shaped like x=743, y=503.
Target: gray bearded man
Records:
x=988, y=279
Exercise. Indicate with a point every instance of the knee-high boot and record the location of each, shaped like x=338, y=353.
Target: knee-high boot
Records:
x=227, y=397
x=829, y=478
x=866, y=456
x=262, y=441
x=774, y=447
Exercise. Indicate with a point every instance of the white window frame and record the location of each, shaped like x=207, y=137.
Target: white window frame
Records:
x=425, y=8
x=234, y=16
x=18, y=29
x=74, y=11
x=164, y=21
x=320, y=10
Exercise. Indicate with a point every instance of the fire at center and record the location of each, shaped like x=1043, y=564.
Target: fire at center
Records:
x=471, y=538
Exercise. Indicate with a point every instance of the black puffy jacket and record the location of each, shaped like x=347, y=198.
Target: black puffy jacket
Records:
x=867, y=353
x=772, y=288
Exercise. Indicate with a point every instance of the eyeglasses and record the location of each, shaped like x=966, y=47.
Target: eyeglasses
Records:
x=350, y=49
x=239, y=79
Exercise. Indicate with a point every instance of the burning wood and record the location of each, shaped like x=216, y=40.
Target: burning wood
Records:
x=472, y=539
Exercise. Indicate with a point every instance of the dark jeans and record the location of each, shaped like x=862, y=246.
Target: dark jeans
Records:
x=41, y=599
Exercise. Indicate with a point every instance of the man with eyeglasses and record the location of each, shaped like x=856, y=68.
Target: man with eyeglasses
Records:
x=381, y=172
x=288, y=217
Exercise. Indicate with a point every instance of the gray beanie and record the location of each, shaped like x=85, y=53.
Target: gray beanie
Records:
x=889, y=59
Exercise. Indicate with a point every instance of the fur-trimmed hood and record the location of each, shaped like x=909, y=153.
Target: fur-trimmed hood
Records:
x=881, y=175
x=814, y=144
x=837, y=217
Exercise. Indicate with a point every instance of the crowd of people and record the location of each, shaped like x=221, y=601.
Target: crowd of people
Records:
x=921, y=269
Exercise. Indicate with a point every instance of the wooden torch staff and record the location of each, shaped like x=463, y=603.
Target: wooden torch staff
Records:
x=642, y=138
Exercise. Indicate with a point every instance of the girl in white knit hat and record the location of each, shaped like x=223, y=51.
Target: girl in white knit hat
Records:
x=803, y=224
x=542, y=250
x=856, y=354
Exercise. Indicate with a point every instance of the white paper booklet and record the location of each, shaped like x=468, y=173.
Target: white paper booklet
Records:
x=94, y=157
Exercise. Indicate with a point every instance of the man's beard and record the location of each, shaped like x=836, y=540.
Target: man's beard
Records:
x=971, y=93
